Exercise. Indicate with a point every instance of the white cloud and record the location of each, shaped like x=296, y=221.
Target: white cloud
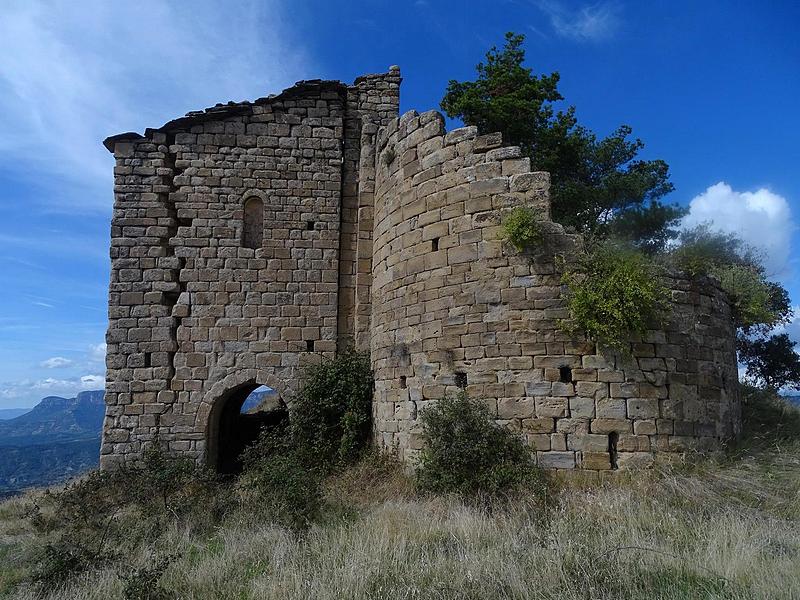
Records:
x=73, y=73
x=762, y=219
x=97, y=352
x=588, y=23
x=56, y=362
x=30, y=391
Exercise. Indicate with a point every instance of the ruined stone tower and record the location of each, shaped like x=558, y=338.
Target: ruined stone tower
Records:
x=251, y=238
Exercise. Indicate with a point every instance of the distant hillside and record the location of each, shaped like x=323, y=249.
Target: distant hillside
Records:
x=11, y=413
x=57, y=439
x=55, y=419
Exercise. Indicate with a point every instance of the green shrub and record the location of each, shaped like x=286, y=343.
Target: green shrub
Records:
x=102, y=518
x=758, y=303
x=331, y=416
x=144, y=583
x=768, y=419
x=285, y=484
x=467, y=453
x=521, y=228
x=616, y=292
x=750, y=294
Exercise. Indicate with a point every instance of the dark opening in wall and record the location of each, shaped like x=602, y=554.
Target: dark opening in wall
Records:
x=434, y=244
x=253, y=229
x=461, y=380
x=403, y=383
x=310, y=225
x=146, y=359
x=565, y=375
x=613, y=438
x=237, y=420
x=309, y=345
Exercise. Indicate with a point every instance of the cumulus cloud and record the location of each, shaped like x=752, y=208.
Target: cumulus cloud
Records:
x=56, y=362
x=588, y=23
x=762, y=218
x=73, y=73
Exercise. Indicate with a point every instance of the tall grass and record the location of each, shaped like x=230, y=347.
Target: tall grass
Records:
x=721, y=527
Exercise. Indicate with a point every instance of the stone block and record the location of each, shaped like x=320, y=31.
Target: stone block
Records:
x=551, y=407
x=611, y=408
x=610, y=426
x=642, y=408
x=556, y=460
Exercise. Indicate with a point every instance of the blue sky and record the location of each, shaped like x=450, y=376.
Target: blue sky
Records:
x=711, y=87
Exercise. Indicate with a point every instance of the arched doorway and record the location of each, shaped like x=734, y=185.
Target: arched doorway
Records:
x=236, y=420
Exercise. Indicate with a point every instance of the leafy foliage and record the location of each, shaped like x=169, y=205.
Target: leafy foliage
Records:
x=614, y=292
x=332, y=413
x=286, y=483
x=521, y=228
x=598, y=185
x=467, y=453
x=768, y=419
x=329, y=427
x=771, y=362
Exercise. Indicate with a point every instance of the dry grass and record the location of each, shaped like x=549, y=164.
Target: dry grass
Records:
x=726, y=527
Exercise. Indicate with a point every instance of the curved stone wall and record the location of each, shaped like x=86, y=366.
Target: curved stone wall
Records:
x=454, y=308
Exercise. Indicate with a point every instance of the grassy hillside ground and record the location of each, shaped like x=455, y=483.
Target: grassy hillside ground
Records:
x=721, y=527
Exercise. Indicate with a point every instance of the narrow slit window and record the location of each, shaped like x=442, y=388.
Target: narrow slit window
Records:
x=565, y=374
x=253, y=230
x=461, y=380
x=613, y=438
x=309, y=345
x=435, y=244
x=146, y=359
x=310, y=225
x=403, y=382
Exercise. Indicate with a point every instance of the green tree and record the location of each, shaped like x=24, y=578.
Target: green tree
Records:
x=598, y=185
x=771, y=362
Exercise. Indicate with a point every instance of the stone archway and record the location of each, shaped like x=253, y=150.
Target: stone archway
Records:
x=227, y=430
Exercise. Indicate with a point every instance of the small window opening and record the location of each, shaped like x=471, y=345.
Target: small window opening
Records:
x=253, y=230
x=309, y=345
x=565, y=374
x=461, y=380
x=403, y=383
x=435, y=244
x=146, y=359
x=613, y=438
x=310, y=225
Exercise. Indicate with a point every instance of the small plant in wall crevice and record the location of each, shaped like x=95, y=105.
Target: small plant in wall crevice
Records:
x=522, y=229
x=389, y=155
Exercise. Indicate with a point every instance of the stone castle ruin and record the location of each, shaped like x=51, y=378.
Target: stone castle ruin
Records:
x=252, y=238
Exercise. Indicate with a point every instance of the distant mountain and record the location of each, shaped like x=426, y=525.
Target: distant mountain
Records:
x=10, y=413
x=56, y=439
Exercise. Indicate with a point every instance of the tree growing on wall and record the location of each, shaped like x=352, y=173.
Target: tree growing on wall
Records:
x=599, y=186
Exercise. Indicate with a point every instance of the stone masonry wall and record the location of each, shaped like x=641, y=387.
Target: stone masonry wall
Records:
x=454, y=308
x=383, y=232
x=192, y=313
